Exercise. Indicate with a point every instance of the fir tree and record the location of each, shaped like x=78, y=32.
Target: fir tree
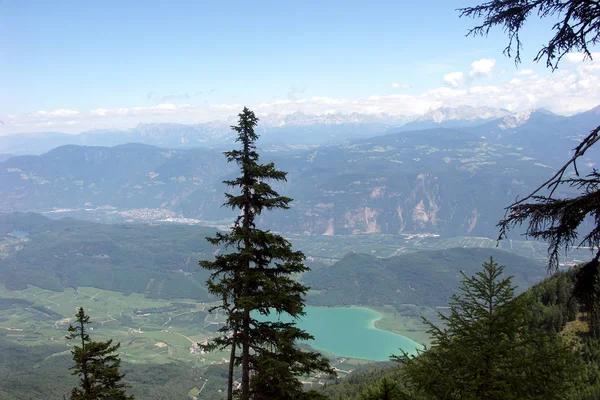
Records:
x=387, y=389
x=557, y=219
x=96, y=365
x=255, y=279
x=486, y=350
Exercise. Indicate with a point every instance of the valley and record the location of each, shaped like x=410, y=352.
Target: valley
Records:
x=388, y=225
x=132, y=283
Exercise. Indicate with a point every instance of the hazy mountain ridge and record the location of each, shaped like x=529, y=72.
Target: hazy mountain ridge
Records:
x=291, y=129
x=446, y=181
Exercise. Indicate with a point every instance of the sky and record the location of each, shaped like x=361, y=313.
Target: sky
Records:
x=72, y=66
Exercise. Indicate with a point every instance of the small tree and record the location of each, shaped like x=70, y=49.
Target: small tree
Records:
x=255, y=279
x=486, y=349
x=95, y=364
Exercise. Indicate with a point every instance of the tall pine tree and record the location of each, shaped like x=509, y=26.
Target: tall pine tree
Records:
x=96, y=365
x=254, y=279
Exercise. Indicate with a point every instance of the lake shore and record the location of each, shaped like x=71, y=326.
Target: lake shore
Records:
x=390, y=320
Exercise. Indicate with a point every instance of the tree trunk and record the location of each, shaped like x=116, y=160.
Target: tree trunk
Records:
x=231, y=367
x=84, y=362
x=246, y=357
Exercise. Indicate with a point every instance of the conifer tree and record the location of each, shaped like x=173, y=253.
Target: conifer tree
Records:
x=96, y=365
x=254, y=279
x=387, y=389
x=486, y=350
x=552, y=216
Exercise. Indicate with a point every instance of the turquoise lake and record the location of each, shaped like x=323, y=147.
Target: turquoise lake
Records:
x=350, y=332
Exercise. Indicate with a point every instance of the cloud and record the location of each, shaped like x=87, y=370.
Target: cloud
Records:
x=453, y=79
x=573, y=88
x=396, y=85
x=576, y=58
x=482, y=67
x=99, y=112
x=524, y=72
x=62, y=113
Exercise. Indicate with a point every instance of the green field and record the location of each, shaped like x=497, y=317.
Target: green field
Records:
x=406, y=324
x=149, y=330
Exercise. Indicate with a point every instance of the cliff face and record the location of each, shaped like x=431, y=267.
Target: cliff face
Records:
x=421, y=203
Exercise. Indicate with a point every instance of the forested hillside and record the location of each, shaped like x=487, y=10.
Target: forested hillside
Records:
x=161, y=260
x=425, y=278
x=158, y=260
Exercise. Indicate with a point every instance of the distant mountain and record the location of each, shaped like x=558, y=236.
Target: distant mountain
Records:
x=445, y=181
x=426, y=278
x=4, y=157
x=549, y=137
x=448, y=117
x=293, y=129
x=126, y=176
x=276, y=130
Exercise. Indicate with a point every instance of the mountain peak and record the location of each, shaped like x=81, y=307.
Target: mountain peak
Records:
x=465, y=113
x=522, y=117
x=593, y=111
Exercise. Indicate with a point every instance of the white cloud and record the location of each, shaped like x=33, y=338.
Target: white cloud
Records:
x=453, y=79
x=482, y=67
x=397, y=85
x=576, y=58
x=99, y=112
x=62, y=113
x=573, y=88
x=524, y=72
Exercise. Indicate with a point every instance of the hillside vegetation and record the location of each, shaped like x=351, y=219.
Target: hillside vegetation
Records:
x=159, y=260
x=426, y=278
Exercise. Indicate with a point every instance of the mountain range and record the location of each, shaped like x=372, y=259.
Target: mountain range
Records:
x=291, y=129
x=447, y=181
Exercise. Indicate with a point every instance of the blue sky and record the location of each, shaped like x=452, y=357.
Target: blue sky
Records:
x=82, y=56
